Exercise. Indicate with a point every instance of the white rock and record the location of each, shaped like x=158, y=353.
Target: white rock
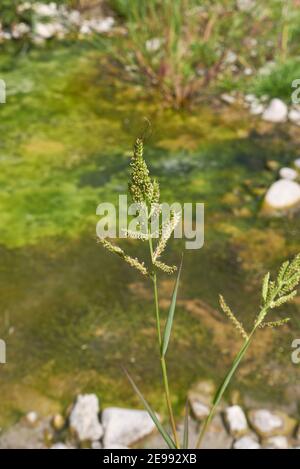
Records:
x=265, y=421
x=199, y=409
x=112, y=446
x=230, y=57
x=96, y=445
x=32, y=418
x=102, y=25
x=276, y=112
x=42, y=9
x=256, y=108
x=236, y=420
x=248, y=71
x=228, y=98
x=19, y=30
x=250, y=98
x=84, y=418
x=277, y=442
x=288, y=173
x=200, y=398
x=267, y=68
x=74, y=17
x=294, y=116
x=297, y=163
x=85, y=28
x=45, y=30
x=246, y=442
x=245, y=5
x=152, y=45
x=283, y=194
x=60, y=446
x=125, y=426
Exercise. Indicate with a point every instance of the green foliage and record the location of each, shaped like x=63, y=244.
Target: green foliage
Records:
x=170, y=319
x=11, y=14
x=277, y=83
x=184, y=46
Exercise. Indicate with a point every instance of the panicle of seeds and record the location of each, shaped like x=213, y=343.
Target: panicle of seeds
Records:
x=133, y=262
x=136, y=234
x=167, y=231
x=232, y=317
x=141, y=187
x=277, y=292
x=271, y=324
x=156, y=192
x=168, y=269
x=283, y=299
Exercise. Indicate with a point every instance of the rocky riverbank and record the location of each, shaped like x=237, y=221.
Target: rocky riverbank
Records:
x=86, y=425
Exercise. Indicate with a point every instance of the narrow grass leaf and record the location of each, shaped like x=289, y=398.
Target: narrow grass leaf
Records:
x=152, y=414
x=169, y=323
x=185, y=443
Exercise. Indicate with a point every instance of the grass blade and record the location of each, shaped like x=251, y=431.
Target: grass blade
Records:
x=169, y=323
x=220, y=392
x=185, y=443
x=152, y=414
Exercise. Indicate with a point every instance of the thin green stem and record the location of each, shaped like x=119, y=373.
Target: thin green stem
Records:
x=162, y=358
x=223, y=387
x=232, y=370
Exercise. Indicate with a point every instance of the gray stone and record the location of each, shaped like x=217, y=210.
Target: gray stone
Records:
x=256, y=108
x=246, y=442
x=24, y=436
x=96, y=445
x=276, y=112
x=216, y=435
x=125, y=426
x=294, y=115
x=31, y=418
x=60, y=446
x=112, y=446
x=236, y=420
x=245, y=5
x=228, y=98
x=268, y=423
x=276, y=442
x=154, y=44
x=84, y=421
x=200, y=398
x=297, y=163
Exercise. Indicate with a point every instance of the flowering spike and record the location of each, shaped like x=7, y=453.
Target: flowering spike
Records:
x=271, y=324
x=232, y=317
